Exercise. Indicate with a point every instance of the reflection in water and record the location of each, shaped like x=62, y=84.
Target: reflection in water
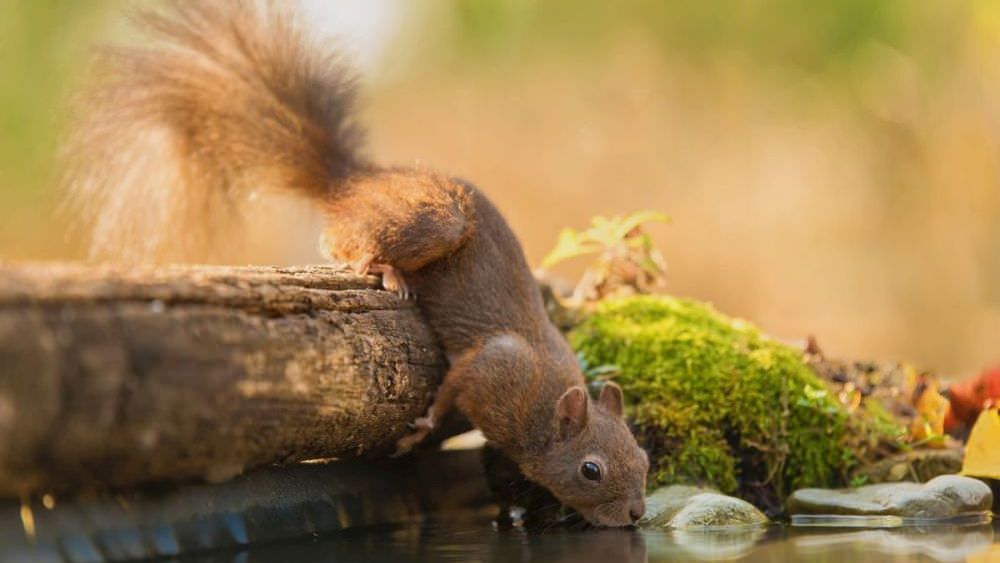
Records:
x=475, y=539
x=703, y=545
x=947, y=544
x=451, y=541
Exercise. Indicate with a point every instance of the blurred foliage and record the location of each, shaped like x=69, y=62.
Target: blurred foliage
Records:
x=801, y=35
x=604, y=236
x=626, y=259
x=40, y=57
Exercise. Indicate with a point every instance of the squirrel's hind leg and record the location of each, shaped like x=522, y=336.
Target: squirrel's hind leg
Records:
x=395, y=223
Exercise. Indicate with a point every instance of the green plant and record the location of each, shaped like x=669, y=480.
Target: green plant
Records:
x=715, y=401
x=626, y=260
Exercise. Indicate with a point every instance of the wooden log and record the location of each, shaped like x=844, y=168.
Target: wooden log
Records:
x=119, y=377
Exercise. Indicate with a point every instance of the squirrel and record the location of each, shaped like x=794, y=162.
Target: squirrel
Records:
x=234, y=98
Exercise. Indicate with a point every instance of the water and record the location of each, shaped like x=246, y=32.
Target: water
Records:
x=474, y=538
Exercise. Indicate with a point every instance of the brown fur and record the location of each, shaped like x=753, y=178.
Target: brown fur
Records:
x=239, y=100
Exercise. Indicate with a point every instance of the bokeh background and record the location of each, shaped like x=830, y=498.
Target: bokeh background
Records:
x=831, y=168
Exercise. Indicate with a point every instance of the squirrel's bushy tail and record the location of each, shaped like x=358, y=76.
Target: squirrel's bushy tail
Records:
x=230, y=98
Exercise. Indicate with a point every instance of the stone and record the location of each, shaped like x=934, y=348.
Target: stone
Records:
x=946, y=496
x=681, y=507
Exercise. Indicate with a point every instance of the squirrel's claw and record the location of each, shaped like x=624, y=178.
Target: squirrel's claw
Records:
x=392, y=280
x=421, y=428
x=405, y=444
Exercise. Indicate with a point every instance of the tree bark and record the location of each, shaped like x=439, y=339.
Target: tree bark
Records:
x=120, y=377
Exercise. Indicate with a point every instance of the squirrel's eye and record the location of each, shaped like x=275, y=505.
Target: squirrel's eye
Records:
x=591, y=470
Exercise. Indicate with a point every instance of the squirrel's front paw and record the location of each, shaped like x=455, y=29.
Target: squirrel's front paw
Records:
x=421, y=428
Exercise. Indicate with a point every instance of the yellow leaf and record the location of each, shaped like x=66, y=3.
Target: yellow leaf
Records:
x=928, y=424
x=568, y=245
x=633, y=220
x=982, y=452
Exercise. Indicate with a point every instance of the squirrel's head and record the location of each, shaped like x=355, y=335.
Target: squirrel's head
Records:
x=594, y=464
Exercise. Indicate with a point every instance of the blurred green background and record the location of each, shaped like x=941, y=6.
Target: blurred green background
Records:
x=831, y=167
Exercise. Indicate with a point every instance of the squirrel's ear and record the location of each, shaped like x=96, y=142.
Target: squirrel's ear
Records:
x=571, y=411
x=611, y=399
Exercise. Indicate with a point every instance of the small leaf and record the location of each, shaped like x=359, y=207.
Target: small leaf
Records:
x=603, y=231
x=928, y=426
x=814, y=393
x=859, y=480
x=633, y=220
x=568, y=245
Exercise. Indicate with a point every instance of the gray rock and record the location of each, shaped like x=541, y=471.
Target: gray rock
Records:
x=682, y=507
x=947, y=496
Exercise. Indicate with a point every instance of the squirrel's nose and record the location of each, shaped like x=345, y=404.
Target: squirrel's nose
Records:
x=636, y=509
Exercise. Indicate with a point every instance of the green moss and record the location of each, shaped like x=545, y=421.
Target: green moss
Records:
x=716, y=401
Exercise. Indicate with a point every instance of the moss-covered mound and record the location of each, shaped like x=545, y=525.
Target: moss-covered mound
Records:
x=715, y=401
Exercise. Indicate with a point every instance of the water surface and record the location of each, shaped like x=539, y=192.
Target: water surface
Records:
x=474, y=538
